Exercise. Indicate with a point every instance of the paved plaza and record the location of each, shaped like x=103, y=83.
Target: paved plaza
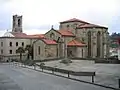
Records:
x=18, y=78
x=106, y=74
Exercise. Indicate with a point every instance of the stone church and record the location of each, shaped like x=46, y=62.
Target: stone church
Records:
x=75, y=38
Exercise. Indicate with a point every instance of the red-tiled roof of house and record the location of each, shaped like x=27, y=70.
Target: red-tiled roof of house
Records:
x=65, y=33
x=48, y=41
x=75, y=43
x=36, y=36
x=23, y=35
x=18, y=34
x=74, y=20
x=90, y=26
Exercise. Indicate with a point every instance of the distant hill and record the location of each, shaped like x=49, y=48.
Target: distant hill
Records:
x=114, y=40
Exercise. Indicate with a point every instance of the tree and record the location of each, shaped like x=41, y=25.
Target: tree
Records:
x=20, y=50
x=29, y=48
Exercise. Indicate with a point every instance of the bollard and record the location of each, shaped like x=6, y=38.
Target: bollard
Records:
x=92, y=79
x=119, y=82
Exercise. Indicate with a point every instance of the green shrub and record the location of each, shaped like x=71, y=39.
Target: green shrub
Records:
x=66, y=61
x=42, y=64
x=29, y=62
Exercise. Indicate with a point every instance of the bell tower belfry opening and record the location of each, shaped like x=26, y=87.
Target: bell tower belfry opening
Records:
x=17, y=23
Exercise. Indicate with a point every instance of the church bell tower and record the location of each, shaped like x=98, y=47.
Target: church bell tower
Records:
x=17, y=23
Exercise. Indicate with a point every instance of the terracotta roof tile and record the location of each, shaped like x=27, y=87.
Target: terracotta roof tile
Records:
x=17, y=34
x=48, y=41
x=74, y=20
x=75, y=43
x=65, y=33
x=36, y=36
x=23, y=35
x=90, y=26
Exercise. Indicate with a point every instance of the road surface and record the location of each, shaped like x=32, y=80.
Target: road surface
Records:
x=18, y=78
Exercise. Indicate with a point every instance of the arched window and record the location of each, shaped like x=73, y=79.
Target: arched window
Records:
x=52, y=35
x=98, y=44
x=19, y=22
x=82, y=53
x=10, y=44
x=38, y=50
x=89, y=43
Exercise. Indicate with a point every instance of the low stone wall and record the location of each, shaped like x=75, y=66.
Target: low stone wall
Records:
x=70, y=72
x=77, y=58
x=108, y=61
x=49, y=59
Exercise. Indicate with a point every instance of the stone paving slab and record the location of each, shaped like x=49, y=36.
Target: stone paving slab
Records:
x=7, y=84
x=30, y=79
x=103, y=76
x=106, y=74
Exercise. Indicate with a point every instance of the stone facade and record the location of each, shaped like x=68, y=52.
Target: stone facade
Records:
x=96, y=37
x=44, y=51
x=78, y=52
x=75, y=38
x=17, y=23
x=61, y=40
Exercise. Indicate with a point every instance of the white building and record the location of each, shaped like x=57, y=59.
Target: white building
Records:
x=10, y=41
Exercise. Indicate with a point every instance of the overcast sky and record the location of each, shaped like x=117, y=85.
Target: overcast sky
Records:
x=39, y=15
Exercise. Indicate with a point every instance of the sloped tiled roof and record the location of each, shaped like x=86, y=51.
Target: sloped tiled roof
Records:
x=18, y=34
x=65, y=33
x=23, y=35
x=74, y=20
x=90, y=26
x=75, y=43
x=48, y=41
x=36, y=36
